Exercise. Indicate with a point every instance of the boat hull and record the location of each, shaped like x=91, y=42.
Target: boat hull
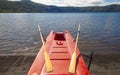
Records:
x=60, y=46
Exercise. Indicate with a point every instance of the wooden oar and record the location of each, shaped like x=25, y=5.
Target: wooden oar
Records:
x=48, y=63
x=72, y=66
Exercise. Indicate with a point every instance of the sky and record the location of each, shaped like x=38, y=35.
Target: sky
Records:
x=80, y=3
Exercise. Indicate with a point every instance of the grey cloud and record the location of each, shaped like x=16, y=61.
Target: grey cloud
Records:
x=97, y=3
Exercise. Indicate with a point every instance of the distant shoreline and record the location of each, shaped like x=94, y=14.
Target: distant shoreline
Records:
x=31, y=7
x=57, y=12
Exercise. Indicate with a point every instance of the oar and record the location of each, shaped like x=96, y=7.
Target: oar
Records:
x=72, y=66
x=48, y=63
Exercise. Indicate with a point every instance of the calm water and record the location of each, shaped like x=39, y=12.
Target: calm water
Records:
x=99, y=31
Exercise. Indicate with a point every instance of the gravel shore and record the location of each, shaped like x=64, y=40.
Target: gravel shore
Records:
x=102, y=64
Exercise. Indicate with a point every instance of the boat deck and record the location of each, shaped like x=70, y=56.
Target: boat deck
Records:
x=60, y=58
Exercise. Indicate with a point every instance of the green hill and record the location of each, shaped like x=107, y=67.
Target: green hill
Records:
x=28, y=6
x=19, y=6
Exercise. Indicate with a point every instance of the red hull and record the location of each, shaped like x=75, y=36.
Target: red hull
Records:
x=60, y=47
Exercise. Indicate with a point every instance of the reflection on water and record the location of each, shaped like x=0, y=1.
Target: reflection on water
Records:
x=99, y=31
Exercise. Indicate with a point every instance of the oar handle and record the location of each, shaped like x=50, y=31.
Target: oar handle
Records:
x=39, y=28
x=79, y=27
x=41, y=36
x=78, y=33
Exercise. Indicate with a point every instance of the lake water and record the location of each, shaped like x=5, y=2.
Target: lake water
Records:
x=99, y=31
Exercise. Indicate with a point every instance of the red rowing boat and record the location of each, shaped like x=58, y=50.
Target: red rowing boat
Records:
x=60, y=46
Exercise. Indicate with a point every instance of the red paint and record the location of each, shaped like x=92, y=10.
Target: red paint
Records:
x=60, y=47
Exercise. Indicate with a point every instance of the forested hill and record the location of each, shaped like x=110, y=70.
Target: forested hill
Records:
x=28, y=6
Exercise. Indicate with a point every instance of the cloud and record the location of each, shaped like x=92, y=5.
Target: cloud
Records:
x=77, y=2
x=88, y=2
x=97, y=3
x=14, y=0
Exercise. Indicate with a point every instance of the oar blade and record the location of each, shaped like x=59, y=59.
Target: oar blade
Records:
x=48, y=63
x=72, y=66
